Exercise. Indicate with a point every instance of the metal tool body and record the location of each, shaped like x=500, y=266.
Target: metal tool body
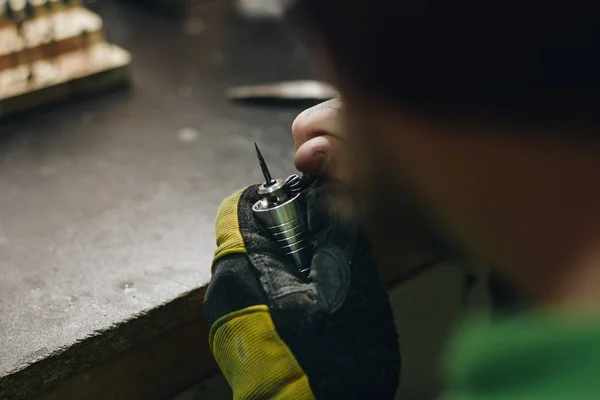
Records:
x=282, y=211
x=286, y=90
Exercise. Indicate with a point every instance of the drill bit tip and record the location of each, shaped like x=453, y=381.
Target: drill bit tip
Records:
x=263, y=166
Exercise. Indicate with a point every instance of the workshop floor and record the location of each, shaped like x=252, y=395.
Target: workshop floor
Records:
x=425, y=309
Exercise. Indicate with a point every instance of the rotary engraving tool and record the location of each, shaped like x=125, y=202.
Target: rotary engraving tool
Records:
x=282, y=211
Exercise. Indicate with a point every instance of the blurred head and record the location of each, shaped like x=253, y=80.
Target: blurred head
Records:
x=478, y=115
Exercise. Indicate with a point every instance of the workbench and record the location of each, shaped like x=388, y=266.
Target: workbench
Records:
x=107, y=206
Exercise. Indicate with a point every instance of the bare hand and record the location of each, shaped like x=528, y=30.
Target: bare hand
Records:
x=319, y=140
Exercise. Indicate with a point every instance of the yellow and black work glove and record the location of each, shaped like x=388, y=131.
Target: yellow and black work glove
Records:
x=276, y=335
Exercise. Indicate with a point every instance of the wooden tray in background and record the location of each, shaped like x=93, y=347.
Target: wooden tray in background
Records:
x=67, y=53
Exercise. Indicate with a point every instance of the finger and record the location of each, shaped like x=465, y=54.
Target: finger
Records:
x=322, y=119
x=323, y=156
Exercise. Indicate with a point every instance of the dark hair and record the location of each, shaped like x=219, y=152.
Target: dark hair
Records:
x=520, y=56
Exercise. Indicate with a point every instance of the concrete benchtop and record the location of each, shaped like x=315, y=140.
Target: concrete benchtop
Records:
x=107, y=205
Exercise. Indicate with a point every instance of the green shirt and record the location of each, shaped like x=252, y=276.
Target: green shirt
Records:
x=529, y=357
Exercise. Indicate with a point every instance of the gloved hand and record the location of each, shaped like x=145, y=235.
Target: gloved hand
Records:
x=276, y=335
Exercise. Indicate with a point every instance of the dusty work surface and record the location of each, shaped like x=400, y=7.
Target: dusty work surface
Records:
x=107, y=205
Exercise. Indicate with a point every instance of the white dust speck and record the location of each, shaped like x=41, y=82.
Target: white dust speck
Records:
x=261, y=8
x=188, y=135
x=129, y=289
x=193, y=26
